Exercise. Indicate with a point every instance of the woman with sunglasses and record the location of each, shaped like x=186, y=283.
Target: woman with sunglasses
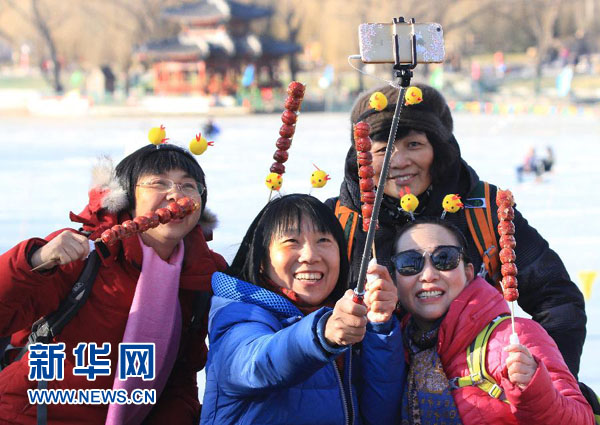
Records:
x=282, y=325
x=427, y=160
x=144, y=292
x=447, y=309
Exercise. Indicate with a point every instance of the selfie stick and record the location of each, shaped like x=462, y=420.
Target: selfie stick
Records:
x=404, y=73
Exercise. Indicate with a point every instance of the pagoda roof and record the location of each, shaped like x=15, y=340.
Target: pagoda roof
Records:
x=210, y=11
x=274, y=47
x=172, y=49
x=250, y=46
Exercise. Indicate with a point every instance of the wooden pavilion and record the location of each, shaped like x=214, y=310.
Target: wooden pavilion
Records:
x=213, y=48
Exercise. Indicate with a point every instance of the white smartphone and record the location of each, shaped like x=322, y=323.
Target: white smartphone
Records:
x=376, y=42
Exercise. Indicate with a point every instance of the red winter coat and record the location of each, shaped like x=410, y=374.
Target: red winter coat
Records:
x=25, y=296
x=552, y=396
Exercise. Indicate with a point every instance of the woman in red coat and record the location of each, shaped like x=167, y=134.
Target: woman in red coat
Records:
x=447, y=310
x=144, y=292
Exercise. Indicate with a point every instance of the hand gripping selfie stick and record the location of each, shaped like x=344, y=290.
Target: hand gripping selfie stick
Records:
x=404, y=73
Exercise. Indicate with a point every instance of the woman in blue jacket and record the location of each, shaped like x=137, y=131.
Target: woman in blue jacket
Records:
x=287, y=343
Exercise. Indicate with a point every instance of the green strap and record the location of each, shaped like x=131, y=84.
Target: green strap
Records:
x=476, y=197
x=348, y=227
x=478, y=213
x=597, y=415
x=476, y=353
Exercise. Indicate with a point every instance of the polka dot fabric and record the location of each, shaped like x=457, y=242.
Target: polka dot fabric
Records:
x=229, y=287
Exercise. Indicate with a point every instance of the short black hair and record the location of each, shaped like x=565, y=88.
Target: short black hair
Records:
x=455, y=231
x=152, y=159
x=279, y=216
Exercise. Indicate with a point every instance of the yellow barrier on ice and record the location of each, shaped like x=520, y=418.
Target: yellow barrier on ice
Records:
x=587, y=277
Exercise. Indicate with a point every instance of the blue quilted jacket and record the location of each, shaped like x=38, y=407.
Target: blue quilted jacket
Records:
x=270, y=364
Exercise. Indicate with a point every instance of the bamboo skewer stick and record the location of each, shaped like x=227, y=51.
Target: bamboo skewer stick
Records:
x=45, y=263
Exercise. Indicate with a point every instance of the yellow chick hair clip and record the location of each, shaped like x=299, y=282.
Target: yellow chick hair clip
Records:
x=378, y=101
x=199, y=144
x=451, y=204
x=413, y=96
x=274, y=181
x=408, y=201
x=157, y=135
x=319, y=178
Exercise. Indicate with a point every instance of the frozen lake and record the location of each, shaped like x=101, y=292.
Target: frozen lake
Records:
x=46, y=162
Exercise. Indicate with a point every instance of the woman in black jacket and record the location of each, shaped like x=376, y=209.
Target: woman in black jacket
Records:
x=427, y=160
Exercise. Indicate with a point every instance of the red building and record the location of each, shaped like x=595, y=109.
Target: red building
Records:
x=213, y=48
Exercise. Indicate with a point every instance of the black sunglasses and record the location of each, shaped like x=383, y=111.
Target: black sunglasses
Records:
x=443, y=258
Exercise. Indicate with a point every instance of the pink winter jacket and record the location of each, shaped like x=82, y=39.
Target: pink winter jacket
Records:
x=552, y=396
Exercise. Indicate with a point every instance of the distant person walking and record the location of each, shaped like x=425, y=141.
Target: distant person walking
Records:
x=530, y=164
x=534, y=164
x=548, y=160
x=210, y=130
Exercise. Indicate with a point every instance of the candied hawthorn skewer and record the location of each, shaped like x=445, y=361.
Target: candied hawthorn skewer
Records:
x=175, y=210
x=364, y=162
x=506, y=229
x=364, y=158
x=289, y=117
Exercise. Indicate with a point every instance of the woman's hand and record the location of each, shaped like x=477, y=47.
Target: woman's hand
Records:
x=63, y=249
x=348, y=322
x=381, y=295
x=520, y=364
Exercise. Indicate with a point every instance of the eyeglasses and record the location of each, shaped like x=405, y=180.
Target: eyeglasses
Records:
x=443, y=258
x=166, y=185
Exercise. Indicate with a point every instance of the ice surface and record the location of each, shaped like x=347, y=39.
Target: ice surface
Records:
x=45, y=173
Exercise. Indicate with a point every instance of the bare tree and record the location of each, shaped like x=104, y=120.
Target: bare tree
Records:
x=137, y=21
x=40, y=22
x=4, y=34
x=98, y=32
x=288, y=22
x=457, y=15
x=43, y=28
x=293, y=21
x=538, y=19
x=543, y=17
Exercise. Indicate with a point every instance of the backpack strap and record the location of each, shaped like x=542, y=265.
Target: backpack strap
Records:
x=593, y=399
x=48, y=327
x=476, y=354
x=478, y=211
x=348, y=219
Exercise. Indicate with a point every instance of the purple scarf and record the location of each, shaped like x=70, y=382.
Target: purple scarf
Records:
x=154, y=317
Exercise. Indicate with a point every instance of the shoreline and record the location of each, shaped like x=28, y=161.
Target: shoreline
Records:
x=30, y=103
